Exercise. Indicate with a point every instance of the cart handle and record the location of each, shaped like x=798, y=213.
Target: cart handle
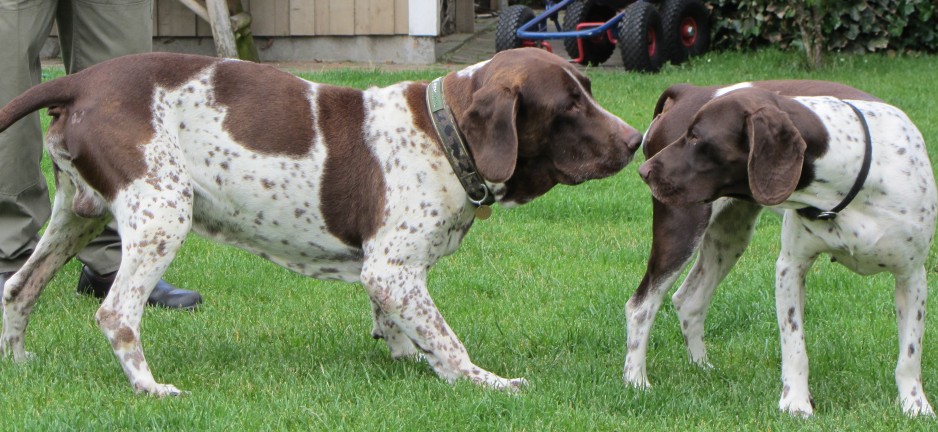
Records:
x=523, y=32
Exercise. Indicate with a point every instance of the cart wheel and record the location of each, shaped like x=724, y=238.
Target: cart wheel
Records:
x=640, y=38
x=596, y=50
x=509, y=21
x=686, y=25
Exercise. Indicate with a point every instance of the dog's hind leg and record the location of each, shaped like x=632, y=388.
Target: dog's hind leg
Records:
x=65, y=235
x=399, y=288
x=153, y=216
x=911, y=294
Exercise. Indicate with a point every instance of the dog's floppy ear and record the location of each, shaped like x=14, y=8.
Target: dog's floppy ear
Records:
x=776, y=155
x=491, y=131
x=668, y=97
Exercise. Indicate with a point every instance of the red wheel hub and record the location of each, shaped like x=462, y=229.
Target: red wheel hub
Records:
x=652, y=42
x=688, y=32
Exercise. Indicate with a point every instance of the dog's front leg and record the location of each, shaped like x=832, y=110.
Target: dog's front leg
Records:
x=399, y=290
x=911, y=294
x=790, y=269
x=677, y=233
x=726, y=238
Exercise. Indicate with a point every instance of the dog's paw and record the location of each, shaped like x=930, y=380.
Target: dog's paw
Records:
x=635, y=378
x=511, y=385
x=160, y=390
x=800, y=408
x=23, y=358
x=27, y=356
x=517, y=384
x=17, y=355
x=917, y=406
x=492, y=381
x=702, y=363
x=402, y=349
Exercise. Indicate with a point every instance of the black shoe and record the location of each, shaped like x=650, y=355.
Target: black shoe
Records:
x=163, y=294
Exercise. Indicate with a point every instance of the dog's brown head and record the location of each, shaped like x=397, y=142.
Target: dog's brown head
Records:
x=531, y=122
x=749, y=143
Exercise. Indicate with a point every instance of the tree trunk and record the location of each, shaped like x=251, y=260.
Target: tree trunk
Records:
x=812, y=37
x=244, y=37
x=231, y=27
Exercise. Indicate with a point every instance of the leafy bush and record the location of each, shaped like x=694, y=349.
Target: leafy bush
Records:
x=852, y=26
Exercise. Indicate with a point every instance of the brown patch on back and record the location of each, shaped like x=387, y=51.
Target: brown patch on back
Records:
x=110, y=118
x=352, y=185
x=268, y=109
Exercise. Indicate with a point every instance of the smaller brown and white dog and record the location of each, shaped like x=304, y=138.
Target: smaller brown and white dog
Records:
x=333, y=183
x=853, y=180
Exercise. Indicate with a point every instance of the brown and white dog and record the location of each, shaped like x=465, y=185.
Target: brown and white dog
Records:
x=716, y=156
x=333, y=183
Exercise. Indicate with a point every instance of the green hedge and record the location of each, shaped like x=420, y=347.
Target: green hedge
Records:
x=851, y=26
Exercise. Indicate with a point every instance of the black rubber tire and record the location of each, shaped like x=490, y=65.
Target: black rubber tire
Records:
x=640, y=38
x=686, y=25
x=509, y=21
x=598, y=49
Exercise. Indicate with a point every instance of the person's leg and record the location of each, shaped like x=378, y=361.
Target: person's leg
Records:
x=92, y=32
x=24, y=195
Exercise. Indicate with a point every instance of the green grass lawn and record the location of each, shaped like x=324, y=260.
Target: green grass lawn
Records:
x=535, y=292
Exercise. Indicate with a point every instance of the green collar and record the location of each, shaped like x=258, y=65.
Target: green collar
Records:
x=454, y=146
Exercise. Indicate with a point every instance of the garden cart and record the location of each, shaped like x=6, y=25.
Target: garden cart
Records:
x=592, y=29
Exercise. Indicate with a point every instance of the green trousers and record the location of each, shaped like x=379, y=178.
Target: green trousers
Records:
x=90, y=31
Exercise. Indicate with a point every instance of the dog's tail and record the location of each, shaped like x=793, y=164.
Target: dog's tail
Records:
x=59, y=91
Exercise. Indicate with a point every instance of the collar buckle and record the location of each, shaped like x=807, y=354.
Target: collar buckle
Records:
x=454, y=147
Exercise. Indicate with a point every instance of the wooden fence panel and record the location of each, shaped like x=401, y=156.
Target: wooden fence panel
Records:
x=294, y=18
x=401, y=17
x=335, y=17
x=374, y=17
x=174, y=19
x=302, y=17
x=270, y=17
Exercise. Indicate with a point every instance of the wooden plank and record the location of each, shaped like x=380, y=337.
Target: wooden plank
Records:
x=270, y=17
x=174, y=19
x=302, y=18
x=321, y=12
x=401, y=21
x=335, y=17
x=465, y=16
x=374, y=17
x=203, y=28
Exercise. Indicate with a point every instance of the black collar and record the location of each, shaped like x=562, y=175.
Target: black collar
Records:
x=454, y=146
x=818, y=214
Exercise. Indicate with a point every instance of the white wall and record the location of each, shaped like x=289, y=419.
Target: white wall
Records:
x=424, y=17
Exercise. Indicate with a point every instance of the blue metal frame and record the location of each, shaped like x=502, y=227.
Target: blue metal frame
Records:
x=551, y=13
